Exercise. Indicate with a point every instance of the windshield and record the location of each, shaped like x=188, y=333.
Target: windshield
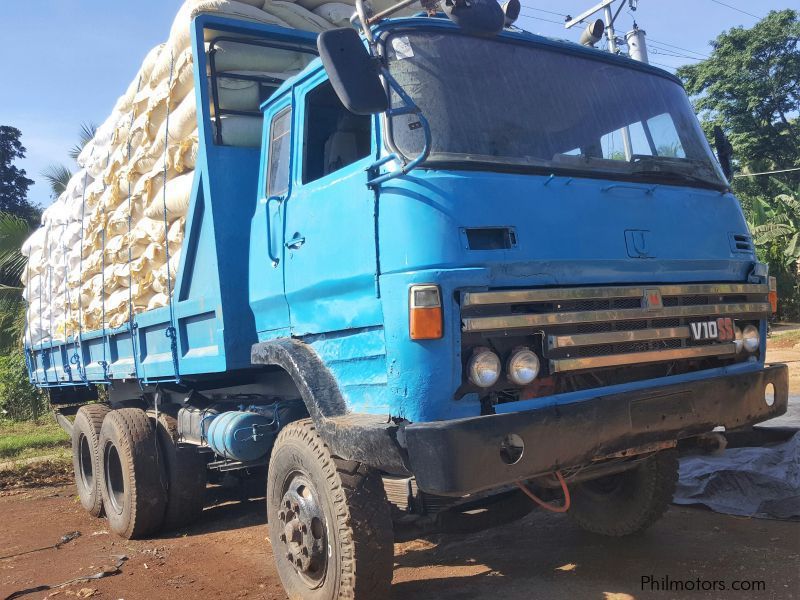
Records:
x=497, y=102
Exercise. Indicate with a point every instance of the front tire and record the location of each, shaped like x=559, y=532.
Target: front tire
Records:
x=329, y=521
x=629, y=502
x=86, y=456
x=134, y=480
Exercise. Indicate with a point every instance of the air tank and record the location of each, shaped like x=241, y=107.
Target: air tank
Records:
x=241, y=435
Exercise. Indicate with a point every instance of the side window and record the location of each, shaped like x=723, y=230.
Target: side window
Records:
x=333, y=136
x=278, y=159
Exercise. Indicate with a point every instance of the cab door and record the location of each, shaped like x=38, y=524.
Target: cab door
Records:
x=267, y=298
x=330, y=243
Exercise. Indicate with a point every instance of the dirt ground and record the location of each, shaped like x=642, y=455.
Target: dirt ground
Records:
x=544, y=556
x=227, y=555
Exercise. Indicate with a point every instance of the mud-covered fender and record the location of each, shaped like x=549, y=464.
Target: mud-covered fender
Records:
x=369, y=439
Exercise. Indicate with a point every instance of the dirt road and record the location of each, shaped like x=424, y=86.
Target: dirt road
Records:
x=544, y=556
x=227, y=555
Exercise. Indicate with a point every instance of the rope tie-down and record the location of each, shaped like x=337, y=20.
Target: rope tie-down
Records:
x=171, y=331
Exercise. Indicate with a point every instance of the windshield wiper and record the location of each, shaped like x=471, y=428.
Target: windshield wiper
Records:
x=676, y=169
x=675, y=176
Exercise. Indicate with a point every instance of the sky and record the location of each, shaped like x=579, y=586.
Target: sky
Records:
x=67, y=61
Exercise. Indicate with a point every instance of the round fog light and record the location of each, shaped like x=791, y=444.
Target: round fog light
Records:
x=751, y=340
x=484, y=368
x=523, y=366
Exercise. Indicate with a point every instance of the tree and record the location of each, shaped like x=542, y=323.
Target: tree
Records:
x=13, y=232
x=13, y=182
x=85, y=135
x=750, y=87
x=779, y=223
x=57, y=177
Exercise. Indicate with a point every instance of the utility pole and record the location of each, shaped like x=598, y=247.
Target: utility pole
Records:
x=633, y=38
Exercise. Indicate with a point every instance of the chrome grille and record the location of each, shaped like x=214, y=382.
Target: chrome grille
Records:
x=600, y=327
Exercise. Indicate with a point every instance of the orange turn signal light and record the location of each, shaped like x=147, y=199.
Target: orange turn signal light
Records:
x=425, y=312
x=773, y=294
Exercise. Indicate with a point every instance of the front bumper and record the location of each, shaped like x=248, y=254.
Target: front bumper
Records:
x=463, y=456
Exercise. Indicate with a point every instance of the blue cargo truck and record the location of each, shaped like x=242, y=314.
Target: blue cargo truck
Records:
x=442, y=289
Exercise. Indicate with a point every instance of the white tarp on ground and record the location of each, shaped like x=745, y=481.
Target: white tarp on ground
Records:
x=751, y=482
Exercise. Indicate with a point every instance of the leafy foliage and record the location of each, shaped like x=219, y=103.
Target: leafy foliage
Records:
x=85, y=135
x=19, y=400
x=780, y=223
x=57, y=177
x=13, y=232
x=750, y=86
x=14, y=184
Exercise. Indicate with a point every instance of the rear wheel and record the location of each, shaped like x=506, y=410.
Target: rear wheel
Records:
x=186, y=475
x=629, y=502
x=134, y=480
x=86, y=456
x=329, y=521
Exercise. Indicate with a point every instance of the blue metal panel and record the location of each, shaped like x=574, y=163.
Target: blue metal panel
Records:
x=266, y=290
x=330, y=279
x=357, y=359
x=569, y=232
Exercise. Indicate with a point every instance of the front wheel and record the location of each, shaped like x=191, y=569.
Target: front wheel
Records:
x=628, y=502
x=329, y=521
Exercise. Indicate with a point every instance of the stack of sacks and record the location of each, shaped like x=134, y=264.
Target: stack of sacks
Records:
x=102, y=248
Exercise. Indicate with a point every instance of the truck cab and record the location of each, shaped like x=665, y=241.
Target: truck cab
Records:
x=564, y=271
x=463, y=273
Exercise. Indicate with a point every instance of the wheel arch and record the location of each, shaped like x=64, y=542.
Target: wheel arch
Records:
x=366, y=438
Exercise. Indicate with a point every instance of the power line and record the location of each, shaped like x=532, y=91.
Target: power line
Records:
x=529, y=16
x=659, y=42
x=744, y=12
x=652, y=62
x=549, y=12
x=767, y=172
x=663, y=52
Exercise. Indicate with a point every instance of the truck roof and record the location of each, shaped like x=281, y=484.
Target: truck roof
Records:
x=520, y=35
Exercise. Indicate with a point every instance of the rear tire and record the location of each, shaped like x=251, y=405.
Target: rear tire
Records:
x=186, y=476
x=134, y=481
x=86, y=456
x=329, y=521
x=629, y=502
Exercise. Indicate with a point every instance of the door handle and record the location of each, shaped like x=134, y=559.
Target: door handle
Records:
x=273, y=259
x=295, y=242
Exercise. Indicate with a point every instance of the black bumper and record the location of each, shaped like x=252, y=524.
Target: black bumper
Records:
x=463, y=456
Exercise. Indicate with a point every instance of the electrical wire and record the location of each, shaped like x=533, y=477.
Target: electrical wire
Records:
x=660, y=43
x=529, y=16
x=662, y=52
x=666, y=66
x=766, y=172
x=546, y=505
x=744, y=12
x=549, y=12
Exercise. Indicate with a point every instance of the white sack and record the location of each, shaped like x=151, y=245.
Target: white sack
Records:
x=336, y=13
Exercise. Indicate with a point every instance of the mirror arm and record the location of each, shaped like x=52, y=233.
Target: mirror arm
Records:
x=409, y=108
x=363, y=17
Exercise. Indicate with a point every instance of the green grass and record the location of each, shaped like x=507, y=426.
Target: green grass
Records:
x=19, y=441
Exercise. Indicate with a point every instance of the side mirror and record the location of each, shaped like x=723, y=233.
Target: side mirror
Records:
x=353, y=73
x=724, y=151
